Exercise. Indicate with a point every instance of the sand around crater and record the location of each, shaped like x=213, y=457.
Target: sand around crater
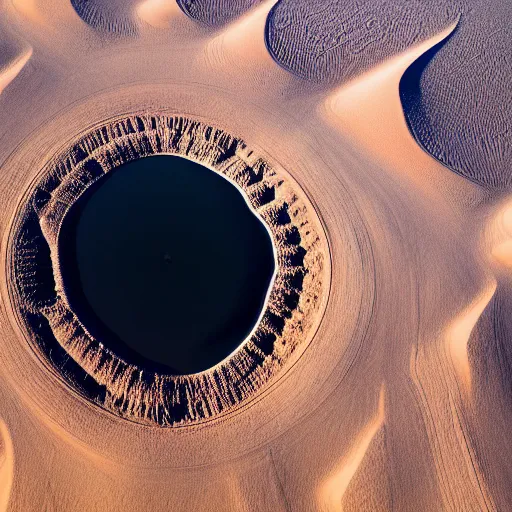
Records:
x=372, y=141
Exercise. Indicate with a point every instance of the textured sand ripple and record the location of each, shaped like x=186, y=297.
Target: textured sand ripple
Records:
x=331, y=40
x=335, y=41
x=115, y=16
x=457, y=98
x=215, y=12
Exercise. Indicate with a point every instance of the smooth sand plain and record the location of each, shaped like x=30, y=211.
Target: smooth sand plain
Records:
x=401, y=398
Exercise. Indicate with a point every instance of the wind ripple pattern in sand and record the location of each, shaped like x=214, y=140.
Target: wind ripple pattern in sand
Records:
x=215, y=12
x=113, y=16
x=332, y=41
x=470, y=73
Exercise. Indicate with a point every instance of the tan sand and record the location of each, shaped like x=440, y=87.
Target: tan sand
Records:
x=14, y=55
x=394, y=395
x=6, y=466
x=335, y=487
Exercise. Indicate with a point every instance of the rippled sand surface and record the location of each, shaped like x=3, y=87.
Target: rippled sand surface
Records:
x=374, y=141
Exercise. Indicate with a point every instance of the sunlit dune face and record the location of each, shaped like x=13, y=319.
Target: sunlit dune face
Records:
x=40, y=289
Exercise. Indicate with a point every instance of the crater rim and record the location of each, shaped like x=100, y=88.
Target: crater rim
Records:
x=190, y=399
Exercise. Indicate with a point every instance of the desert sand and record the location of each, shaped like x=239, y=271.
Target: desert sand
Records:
x=385, y=383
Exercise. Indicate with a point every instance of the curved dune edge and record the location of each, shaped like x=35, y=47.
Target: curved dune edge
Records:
x=333, y=42
x=364, y=108
x=6, y=466
x=370, y=488
x=457, y=98
x=13, y=69
x=295, y=301
x=241, y=43
x=459, y=332
x=114, y=16
x=238, y=51
x=333, y=490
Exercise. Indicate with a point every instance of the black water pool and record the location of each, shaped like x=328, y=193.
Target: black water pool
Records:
x=165, y=263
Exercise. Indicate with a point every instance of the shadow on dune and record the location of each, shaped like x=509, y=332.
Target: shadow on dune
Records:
x=411, y=95
x=215, y=12
x=109, y=16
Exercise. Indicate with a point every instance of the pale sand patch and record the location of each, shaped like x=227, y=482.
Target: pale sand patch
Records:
x=6, y=466
x=159, y=13
x=332, y=492
x=11, y=70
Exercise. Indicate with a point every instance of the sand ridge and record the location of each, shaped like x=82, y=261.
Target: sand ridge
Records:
x=216, y=12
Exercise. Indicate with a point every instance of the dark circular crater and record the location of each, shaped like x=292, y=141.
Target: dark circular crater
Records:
x=163, y=260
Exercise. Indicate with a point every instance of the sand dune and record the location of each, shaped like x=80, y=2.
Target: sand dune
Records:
x=379, y=377
x=336, y=41
x=333, y=493
x=471, y=74
x=13, y=57
x=332, y=42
